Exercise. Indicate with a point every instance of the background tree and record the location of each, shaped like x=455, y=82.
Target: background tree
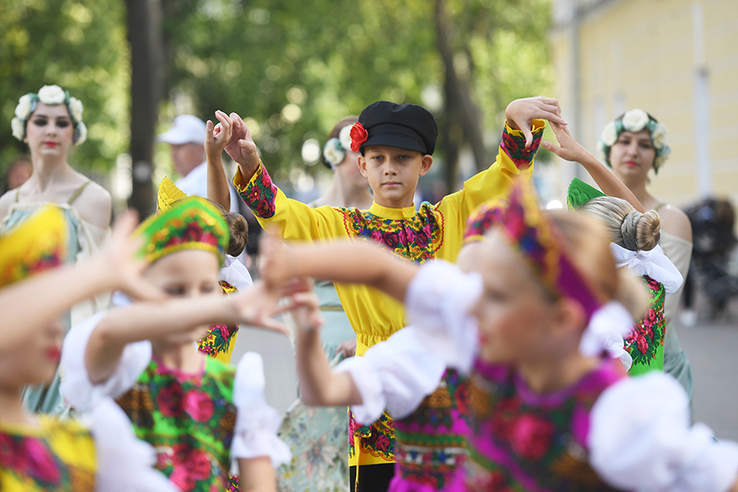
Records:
x=292, y=68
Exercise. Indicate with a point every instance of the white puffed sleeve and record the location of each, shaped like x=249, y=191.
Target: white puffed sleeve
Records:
x=395, y=374
x=640, y=438
x=437, y=302
x=235, y=273
x=257, y=423
x=124, y=463
x=76, y=387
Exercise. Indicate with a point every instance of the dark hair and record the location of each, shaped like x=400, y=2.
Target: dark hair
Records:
x=238, y=230
x=348, y=120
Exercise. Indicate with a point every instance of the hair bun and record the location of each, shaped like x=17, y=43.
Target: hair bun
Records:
x=648, y=231
x=239, y=230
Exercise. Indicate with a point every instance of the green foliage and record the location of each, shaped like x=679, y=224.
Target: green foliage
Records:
x=79, y=45
x=295, y=68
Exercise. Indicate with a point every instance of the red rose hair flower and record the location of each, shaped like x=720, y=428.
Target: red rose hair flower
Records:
x=358, y=135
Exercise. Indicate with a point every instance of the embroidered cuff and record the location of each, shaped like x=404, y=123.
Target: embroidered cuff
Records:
x=259, y=193
x=513, y=144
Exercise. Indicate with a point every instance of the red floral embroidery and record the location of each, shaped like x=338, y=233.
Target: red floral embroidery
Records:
x=359, y=135
x=170, y=401
x=259, y=194
x=198, y=405
x=514, y=147
x=531, y=436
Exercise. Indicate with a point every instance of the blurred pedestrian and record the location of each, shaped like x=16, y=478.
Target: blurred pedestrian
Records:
x=19, y=171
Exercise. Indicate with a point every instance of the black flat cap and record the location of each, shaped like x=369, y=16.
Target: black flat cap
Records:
x=406, y=126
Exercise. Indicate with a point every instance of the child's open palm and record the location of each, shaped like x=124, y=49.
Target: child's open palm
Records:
x=257, y=306
x=216, y=137
x=120, y=259
x=568, y=149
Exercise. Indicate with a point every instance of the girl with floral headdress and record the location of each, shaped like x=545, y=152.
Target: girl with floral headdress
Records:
x=39, y=452
x=50, y=123
x=199, y=413
x=526, y=314
x=634, y=235
x=632, y=145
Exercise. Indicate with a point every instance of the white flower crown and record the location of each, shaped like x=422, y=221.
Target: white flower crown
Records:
x=636, y=120
x=334, y=151
x=51, y=95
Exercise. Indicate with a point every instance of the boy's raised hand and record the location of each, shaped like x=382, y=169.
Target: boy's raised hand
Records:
x=119, y=258
x=216, y=137
x=568, y=149
x=241, y=147
x=521, y=112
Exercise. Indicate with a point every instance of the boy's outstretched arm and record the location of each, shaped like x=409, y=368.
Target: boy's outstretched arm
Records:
x=571, y=150
x=350, y=262
x=216, y=138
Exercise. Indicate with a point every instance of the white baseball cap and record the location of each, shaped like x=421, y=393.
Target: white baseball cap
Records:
x=185, y=129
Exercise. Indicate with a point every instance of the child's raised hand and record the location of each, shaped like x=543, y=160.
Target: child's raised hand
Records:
x=568, y=149
x=277, y=264
x=521, y=112
x=257, y=305
x=241, y=146
x=305, y=306
x=119, y=258
x=216, y=137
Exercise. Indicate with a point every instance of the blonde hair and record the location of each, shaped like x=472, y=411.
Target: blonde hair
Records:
x=589, y=249
x=627, y=227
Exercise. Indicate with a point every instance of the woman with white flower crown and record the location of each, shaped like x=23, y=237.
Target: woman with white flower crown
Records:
x=318, y=437
x=633, y=144
x=50, y=123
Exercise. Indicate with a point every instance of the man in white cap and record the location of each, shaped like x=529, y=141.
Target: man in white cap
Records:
x=186, y=139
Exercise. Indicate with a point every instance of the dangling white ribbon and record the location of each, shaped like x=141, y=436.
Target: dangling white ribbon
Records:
x=605, y=332
x=653, y=263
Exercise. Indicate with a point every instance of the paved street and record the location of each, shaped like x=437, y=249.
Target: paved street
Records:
x=713, y=350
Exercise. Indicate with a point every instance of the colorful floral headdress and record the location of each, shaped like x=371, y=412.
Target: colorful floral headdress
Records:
x=483, y=218
x=190, y=223
x=544, y=249
x=51, y=95
x=334, y=151
x=36, y=245
x=168, y=194
x=636, y=120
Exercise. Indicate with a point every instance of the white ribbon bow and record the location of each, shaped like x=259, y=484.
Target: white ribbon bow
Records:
x=653, y=263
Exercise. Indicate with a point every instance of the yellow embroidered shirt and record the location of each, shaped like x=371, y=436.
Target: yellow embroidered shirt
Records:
x=434, y=231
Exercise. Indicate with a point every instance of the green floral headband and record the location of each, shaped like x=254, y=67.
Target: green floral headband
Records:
x=51, y=95
x=191, y=223
x=636, y=120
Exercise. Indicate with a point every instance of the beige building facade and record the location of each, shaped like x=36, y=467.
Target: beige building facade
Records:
x=676, y=59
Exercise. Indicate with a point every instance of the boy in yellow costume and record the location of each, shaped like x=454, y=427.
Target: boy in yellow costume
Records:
x=396, y=144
